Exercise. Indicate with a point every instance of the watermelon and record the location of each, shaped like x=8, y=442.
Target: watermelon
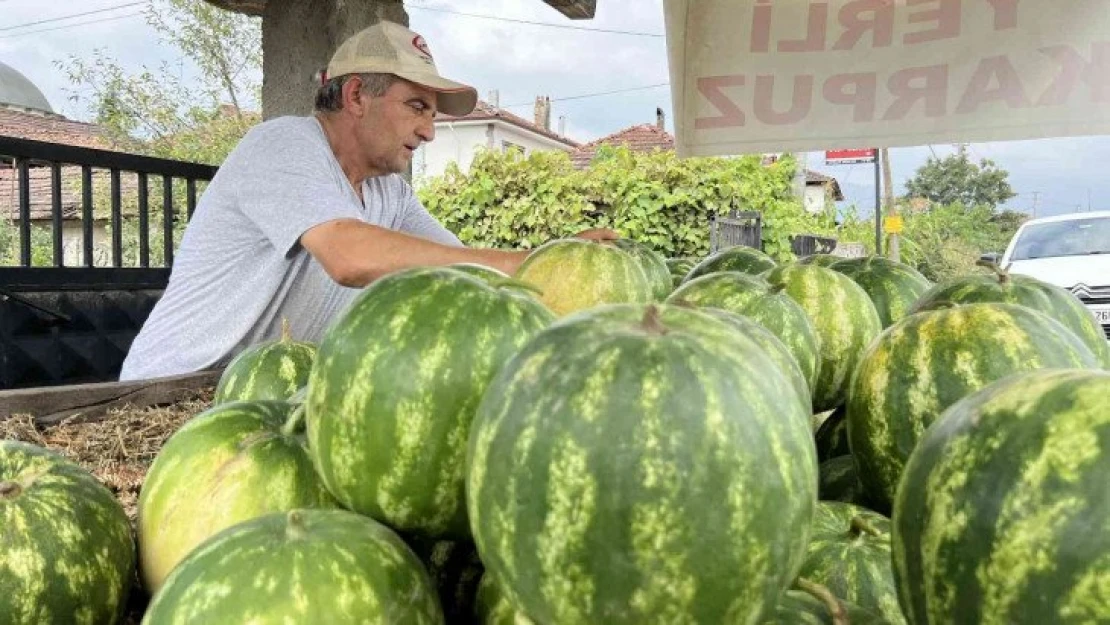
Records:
x=595, y=445
x=66, y=553
x=269, y=370
x=395, y=387
x=492, y=607
x=455, y=569
x=892, y=286
x=832, y=436
x=300, y=566
x=654, y=266
x=1003, y=287
x=775, y=350
x=573, y=274
x=821, y=260
x=843, y=317
x=229, y=464
x=819, y=607
x=1001, y=515
x=838, y=480
x=679, y=267
x=496, y=278
x=849, y=553
x=930, y=360
x=740, y=258
x=752, y=297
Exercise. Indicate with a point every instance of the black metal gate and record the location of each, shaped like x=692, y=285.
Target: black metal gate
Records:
x=63, y=325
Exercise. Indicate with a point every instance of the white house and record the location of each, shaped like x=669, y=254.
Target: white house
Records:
x=458, y=139
x=821, y=192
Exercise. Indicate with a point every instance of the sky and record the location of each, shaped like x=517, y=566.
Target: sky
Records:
x=622, y=76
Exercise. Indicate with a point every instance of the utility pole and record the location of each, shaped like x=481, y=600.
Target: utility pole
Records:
x=1036, y=194
x=893, y=247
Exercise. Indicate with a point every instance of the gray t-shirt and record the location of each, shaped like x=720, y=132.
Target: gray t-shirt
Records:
x=240, y=268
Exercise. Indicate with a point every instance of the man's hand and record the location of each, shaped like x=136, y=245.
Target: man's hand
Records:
x=598, y=234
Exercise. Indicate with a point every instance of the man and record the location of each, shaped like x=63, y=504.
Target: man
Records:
x=308, y=210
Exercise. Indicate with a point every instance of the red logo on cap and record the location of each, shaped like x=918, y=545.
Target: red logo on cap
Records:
x=421, y=45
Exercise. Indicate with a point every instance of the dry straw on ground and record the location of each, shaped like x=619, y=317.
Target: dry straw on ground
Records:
x=117, y=448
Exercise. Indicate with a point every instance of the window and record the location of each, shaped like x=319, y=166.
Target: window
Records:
x=1064, y=238
x=509, y=145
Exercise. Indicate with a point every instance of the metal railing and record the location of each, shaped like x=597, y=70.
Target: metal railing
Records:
x=29, y=160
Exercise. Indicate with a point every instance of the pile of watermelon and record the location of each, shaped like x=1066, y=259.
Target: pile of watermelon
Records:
x=614, y=437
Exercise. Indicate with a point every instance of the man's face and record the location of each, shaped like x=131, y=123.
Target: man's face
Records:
x=396, y=124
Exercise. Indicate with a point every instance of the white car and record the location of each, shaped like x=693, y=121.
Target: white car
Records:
x=1070, y=251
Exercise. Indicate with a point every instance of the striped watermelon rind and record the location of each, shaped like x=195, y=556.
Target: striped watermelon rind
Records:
x=1003, y=287
x=816, y=607
x=838, y=480
x=303, y=566
x=229, y=464
x=843, y=317
x=821, y=260
x=1002, y=510
x=929, y=361
x=849, y=553
x=754, y=298
x=493, y=607
x=654, y=265
x=574, y=274
x=832, y=436
x=269, y=370
x=66, y=552
x=739, y=258
x=893, y=287
x=395, y=387
x=595, y=442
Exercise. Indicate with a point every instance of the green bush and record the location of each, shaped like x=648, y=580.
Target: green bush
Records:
x=511, y=201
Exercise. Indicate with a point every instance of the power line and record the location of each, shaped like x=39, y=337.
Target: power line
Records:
x=592, y=95
x=534, y=23
x=73, y=15
x=67, y=26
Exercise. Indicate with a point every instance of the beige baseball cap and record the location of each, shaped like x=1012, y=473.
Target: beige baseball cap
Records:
x=390, y=48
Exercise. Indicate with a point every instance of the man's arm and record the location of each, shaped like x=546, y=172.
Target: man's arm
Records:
x=355, y=253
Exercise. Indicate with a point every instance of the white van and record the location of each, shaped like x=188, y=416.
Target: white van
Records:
x=1070, y=251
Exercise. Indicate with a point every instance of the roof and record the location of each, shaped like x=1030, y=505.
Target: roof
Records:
x=815, y=178
x=641, y=138
x=484, y=111
x=18, y=90
x=52, y=129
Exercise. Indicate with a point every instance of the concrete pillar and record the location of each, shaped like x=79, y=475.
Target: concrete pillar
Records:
x=298, y=39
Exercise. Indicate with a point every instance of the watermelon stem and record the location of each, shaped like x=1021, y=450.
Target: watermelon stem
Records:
x=286, y=336
x=294, y=423
x=824, y=595
x=1003, y=273
x=9, y=489
x=295, y=527
x=652, y=321
x=860, y=525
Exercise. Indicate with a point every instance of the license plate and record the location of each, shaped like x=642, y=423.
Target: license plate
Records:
x=1102, y=313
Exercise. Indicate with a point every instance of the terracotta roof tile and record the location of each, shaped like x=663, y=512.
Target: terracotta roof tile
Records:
x=486, y=111
x=642, y=138
x=52, y=129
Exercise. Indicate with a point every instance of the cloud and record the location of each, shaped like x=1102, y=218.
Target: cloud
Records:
x=523, y=61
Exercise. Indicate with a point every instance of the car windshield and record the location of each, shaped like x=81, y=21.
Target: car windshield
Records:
x=1079, y=237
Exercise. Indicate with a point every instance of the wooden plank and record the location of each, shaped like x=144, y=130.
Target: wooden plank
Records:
x=50, y=405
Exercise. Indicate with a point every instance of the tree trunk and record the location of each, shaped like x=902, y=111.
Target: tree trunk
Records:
x=298, y=40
